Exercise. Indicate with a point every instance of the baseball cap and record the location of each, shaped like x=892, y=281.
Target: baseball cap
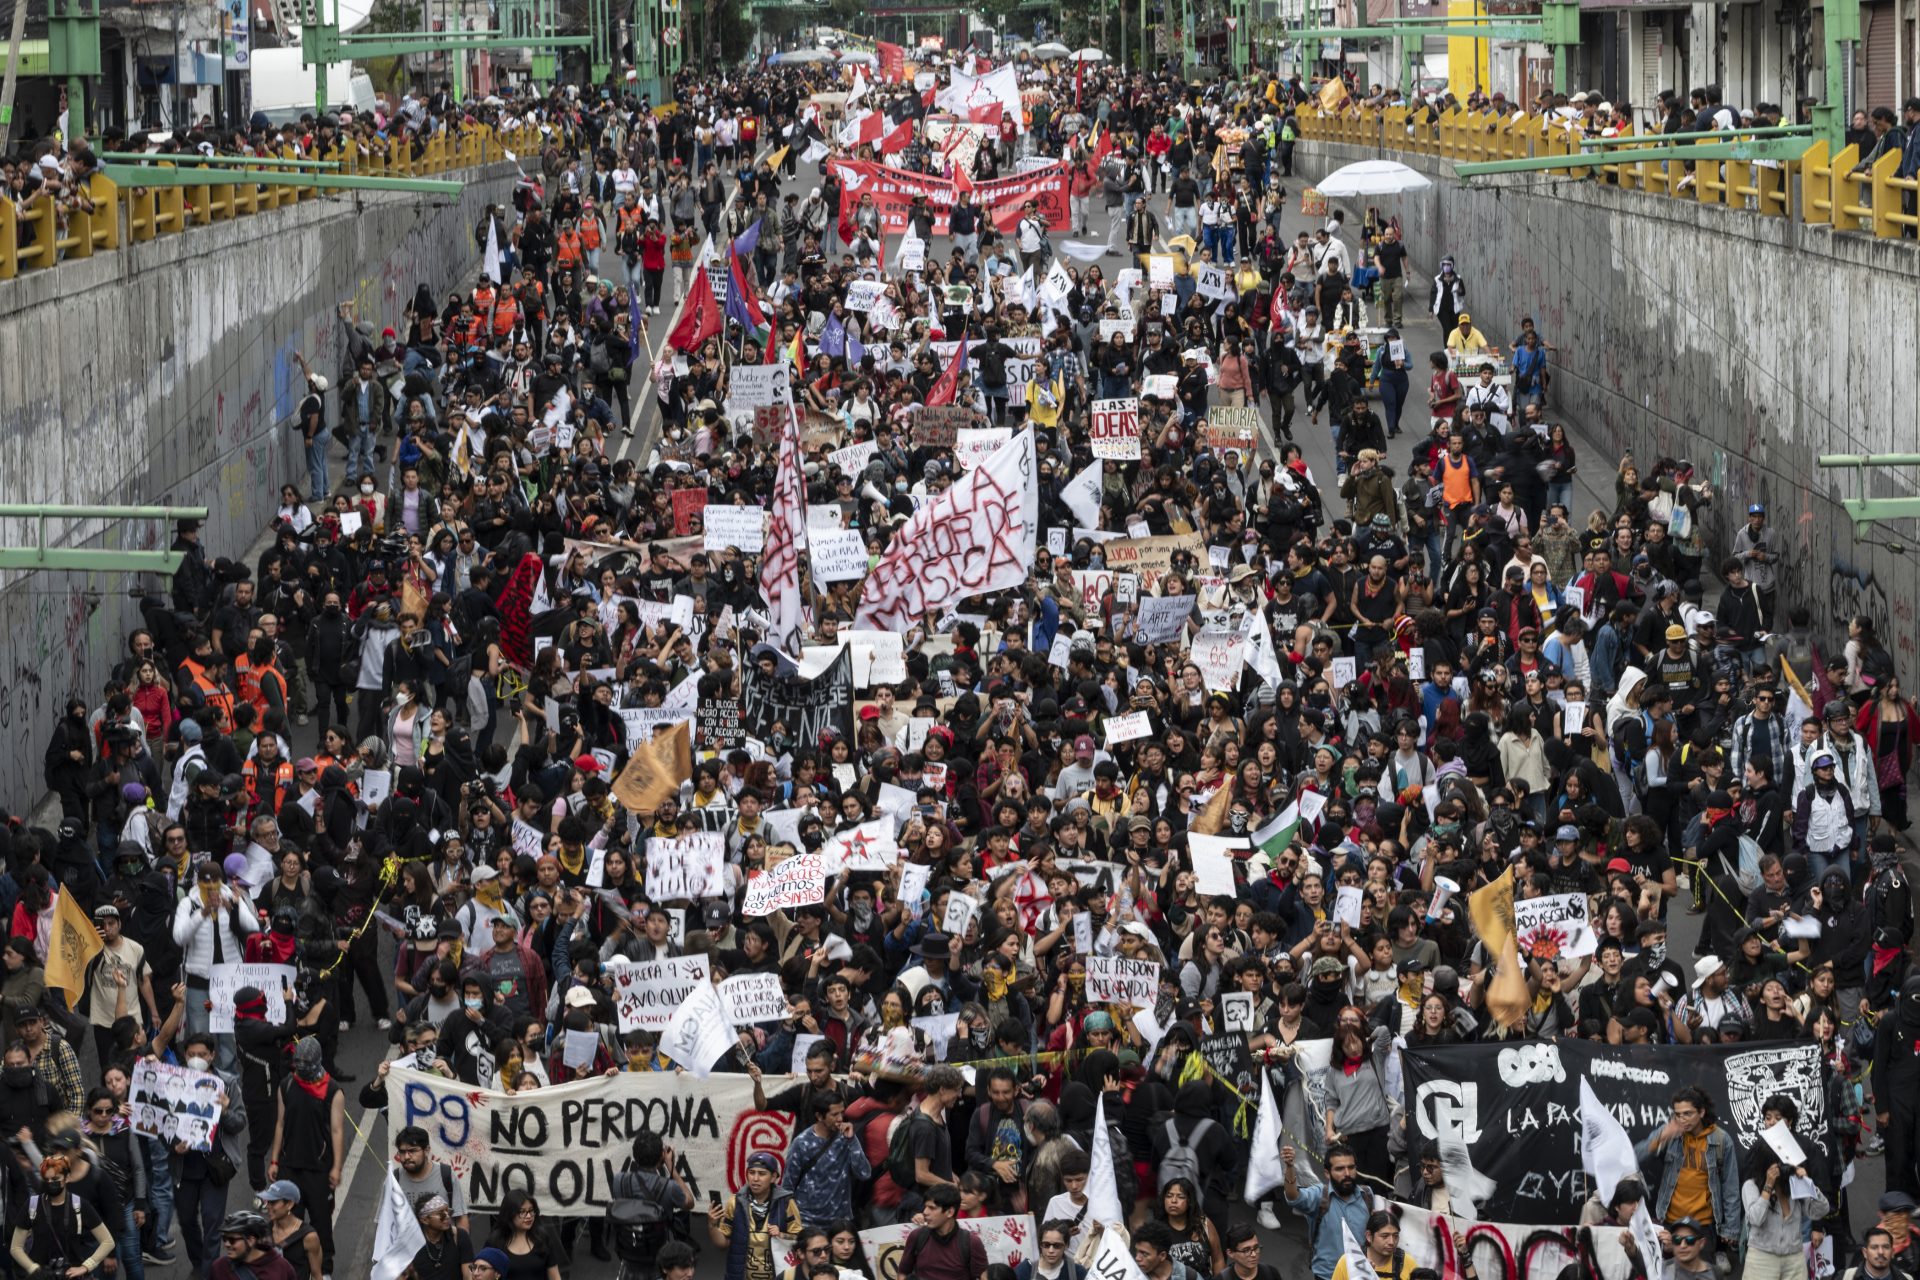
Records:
x=1676, y=632
x=1326, y=965
x=1757, y=509
x=586, y=764
x=1620, y=864
x=579, y=998
x=281, y=1190
x=1823, y=761
x=1568, y=832
x=1083, y=747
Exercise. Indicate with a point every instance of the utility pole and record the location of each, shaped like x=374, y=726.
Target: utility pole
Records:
x=12, y=83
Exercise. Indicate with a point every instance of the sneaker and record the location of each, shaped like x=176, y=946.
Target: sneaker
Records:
x=346, y=1026
x=1268, y=1218
x=302, y=720
x=385, y=1024
x=156, y=1257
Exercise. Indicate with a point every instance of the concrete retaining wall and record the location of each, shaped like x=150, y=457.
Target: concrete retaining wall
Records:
x=1746, y=344
x=163, y=374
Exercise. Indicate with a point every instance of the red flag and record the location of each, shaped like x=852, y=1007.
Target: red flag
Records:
x=1079, y=74
x=1102, y=148
x=700, y=320
x=962, y=180
x=986, y=113
x=949, y=385
x=896, y=138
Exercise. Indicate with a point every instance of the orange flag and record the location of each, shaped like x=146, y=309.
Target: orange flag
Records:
x=74, y=944
x=656, y=769
x=1491, y=908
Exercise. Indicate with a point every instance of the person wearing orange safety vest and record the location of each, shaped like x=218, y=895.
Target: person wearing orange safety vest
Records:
x=591, y=235
x=200, y=673
x=567, y=247
x=268, y=775
x=258, y=681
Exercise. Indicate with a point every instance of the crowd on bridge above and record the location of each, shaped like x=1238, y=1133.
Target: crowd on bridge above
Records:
x=420, y=747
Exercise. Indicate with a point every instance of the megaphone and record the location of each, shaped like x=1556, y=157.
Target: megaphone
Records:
x=1443, y=889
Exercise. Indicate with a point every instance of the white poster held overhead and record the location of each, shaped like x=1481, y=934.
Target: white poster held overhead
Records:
x=1220, y=653
x=1135, y=724
x=1346, y=908
x=1212, y=858
x=1554, y=925
x=752, y=998
x=837, y=555
x=1118, y=980
x=743, y=529
x=225, y=979
x=797, y=882
x=646, y=992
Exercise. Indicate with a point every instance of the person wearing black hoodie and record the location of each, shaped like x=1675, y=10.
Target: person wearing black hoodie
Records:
x=1192, y=1125
x=263, y=1047
x=1896, y=1088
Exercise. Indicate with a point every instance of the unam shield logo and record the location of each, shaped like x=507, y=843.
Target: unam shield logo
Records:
x=1052, y=199
x=756, y=1131
x=1752, y=1078
x=1448, y=1107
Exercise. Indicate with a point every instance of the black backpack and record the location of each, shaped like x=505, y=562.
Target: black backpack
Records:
x=901, y=1166
x=639, y=1224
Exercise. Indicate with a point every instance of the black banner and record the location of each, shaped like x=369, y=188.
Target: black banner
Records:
x=1517, y=1107
x=805, y=707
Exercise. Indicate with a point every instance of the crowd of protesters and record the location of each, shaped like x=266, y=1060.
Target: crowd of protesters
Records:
x=382, y=750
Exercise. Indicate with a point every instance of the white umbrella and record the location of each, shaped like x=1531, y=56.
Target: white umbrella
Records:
x=859, y=59
x=1371, y=178
x=805, y=55
x=1089, y=55
x=1051, y=49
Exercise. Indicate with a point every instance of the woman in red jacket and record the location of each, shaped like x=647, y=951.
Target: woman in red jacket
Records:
x=653, y=263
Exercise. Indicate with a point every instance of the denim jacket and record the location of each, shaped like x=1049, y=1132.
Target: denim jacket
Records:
x=1723, y=1178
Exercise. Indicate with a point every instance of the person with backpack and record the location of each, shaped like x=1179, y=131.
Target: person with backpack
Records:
x=940, y=1250
x=997, y=1148
x=920, y=1150
x=651, y=1201
x=749, y=1222
x=1329, y=1205
x=1191, y=1144
x=823, y=1162
x=61, y=1231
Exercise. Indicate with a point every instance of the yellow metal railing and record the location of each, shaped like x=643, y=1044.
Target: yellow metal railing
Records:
x=32, y=238
x=1817, y=187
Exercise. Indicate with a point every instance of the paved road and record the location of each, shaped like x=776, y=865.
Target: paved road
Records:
x=362, y=1048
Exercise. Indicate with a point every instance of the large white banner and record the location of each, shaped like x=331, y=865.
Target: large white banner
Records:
x=978, y=536
x=566, y=1142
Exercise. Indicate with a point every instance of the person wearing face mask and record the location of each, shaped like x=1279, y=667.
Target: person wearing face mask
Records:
x=330, y=647
x=309, y=1138
x=64, y=1235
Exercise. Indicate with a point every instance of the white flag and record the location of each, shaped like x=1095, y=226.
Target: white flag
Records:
x=1029, y=292
x=860, y=86
x=816, y=151
x=1606, y=1152
x=699, y=1033
x=1260, y=652
x=1358, y=1268
x=978, y=536
x=1466, y=1186
x=1264, y=1170
x=490, y=263
x=1082, y=495
x=396, y=1233
x=1103, y=1191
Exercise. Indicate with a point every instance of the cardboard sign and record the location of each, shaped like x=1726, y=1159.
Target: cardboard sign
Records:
x=272, y=979
x=1231, y=427
x=862, y=294
x=175, y=1104
x=937, y=426
x=1126, y=728
x=717, y=724
x=1116, y=429
x=1554, y=925
x=1212, y=282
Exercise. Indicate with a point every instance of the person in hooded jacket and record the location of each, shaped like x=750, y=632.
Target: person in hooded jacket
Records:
x=1896, y=1087
x=69, y=760
x=263, y=1049
x=1192, y=1125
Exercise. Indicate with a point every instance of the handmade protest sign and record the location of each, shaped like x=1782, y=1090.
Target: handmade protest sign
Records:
x=646, y=992
x=1115, y=430
x=1554, y=925
x=272, y=979
x=797, y=882
x=1117, y=980
x=688, y=866
x=751, y=998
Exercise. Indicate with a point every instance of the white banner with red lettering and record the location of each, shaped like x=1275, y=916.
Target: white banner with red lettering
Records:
x=978, y=536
